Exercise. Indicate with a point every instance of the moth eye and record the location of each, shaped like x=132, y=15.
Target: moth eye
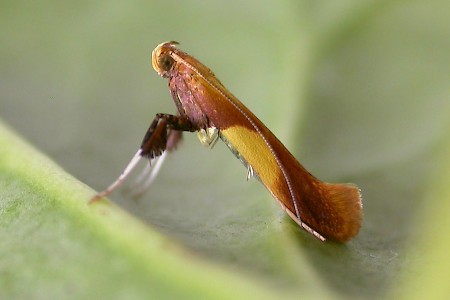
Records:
x=166, y=62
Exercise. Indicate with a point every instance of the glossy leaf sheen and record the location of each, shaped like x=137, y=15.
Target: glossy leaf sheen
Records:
x=358, y=90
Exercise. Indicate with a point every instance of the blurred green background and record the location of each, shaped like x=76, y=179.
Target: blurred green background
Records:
x=358, y=90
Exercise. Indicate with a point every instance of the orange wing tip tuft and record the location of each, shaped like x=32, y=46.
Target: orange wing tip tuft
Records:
x=346, y=210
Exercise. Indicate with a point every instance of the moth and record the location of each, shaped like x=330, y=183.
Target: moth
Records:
x=204, y=105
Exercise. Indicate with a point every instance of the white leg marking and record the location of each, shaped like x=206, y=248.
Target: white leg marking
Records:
x=130, y=166
x=154, y=168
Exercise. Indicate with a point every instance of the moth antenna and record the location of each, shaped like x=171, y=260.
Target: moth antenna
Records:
x=302, y=224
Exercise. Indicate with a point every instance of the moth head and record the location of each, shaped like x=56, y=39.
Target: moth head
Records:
x=162, y=60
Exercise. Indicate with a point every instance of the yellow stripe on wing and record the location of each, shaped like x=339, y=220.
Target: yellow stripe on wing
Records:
x=253, y=149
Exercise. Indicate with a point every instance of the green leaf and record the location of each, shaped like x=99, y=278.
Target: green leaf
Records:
x=56, y=246
x=358, y=90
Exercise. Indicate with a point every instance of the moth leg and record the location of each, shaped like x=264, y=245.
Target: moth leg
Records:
x=151, y=170
x=118, y=182
x=161, y=135
x=144, y=173
x=148, y=175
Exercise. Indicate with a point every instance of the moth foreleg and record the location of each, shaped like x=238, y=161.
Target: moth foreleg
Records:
x=164, y=133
